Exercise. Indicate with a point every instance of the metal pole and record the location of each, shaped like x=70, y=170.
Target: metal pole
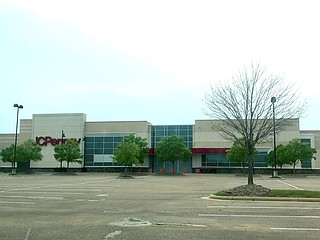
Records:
x=16, y=139
x=275, y=173
x=62, y=136
x=153, y=149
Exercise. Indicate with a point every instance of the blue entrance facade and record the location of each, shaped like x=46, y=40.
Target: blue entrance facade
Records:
x=159, y=132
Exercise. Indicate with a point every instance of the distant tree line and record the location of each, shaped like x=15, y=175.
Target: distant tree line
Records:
x=291, y=154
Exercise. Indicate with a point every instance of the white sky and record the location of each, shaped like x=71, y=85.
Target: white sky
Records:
x=148, y=60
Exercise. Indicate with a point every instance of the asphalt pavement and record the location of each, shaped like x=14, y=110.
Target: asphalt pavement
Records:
x=103, y=206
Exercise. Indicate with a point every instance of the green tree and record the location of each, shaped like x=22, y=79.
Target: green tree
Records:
x=296, y=151
x=68, y=152
x=29, y=151
x=126, y=154
x=141, y=143
x=282, y=159
x=238, y=152
x=26, y=152
x=7, y=154
x=171, y=149
x=292, y=153
x=244, y=110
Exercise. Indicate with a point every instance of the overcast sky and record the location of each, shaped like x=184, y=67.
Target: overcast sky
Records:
x=148, y=60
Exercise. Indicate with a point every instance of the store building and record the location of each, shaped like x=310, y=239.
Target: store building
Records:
x=98, y=140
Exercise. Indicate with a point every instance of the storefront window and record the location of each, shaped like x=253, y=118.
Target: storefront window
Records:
x=307, y=162
x=99, y=149
x=162, y=131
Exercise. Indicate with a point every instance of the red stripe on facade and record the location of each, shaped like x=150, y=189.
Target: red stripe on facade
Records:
x=209, y=150
x=202, y=150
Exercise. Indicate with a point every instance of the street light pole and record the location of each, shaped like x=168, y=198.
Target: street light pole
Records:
x=15, y=141
x=62, y=142
x=62, y=136
x=275, y=173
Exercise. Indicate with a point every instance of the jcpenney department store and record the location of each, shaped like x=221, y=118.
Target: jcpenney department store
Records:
x=98, y=141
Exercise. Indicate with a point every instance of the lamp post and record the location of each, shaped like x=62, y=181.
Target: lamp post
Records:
x=15, y=141
x=62, y=136
x=62, y=142
x=275, y=173
x=153, y=149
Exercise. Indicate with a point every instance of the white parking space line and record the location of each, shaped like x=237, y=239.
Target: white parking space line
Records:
x=63, y=190
x=26, y=203
x=290, y=185
x=95, y=182
x=264, y=207
x=28, y=234
x=51, y=192
x=34, y=197
x=102, y=195
x=60, y=187
x=254, y=216
x=296, y=229
x=113, y=234
x=38, y=187
x=75, y=191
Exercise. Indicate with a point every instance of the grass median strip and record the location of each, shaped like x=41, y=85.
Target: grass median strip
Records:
x=284, y=193
x=294, y=193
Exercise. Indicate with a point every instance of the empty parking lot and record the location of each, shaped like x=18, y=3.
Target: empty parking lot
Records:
x=103, y=206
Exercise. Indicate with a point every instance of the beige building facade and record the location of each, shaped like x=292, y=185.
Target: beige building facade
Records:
x=98, y=140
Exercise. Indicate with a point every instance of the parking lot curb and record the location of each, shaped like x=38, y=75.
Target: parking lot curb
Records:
x=247, y=198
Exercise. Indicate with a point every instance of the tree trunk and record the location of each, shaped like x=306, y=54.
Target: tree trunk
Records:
x=13, y=169
x=294, y=169
x=125, y=170
x=67, y=166
x=250, y=170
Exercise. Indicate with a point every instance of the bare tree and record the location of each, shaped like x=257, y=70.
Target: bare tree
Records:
x=244, y=107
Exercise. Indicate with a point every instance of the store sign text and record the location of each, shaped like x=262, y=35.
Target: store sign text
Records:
x=44, y=141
